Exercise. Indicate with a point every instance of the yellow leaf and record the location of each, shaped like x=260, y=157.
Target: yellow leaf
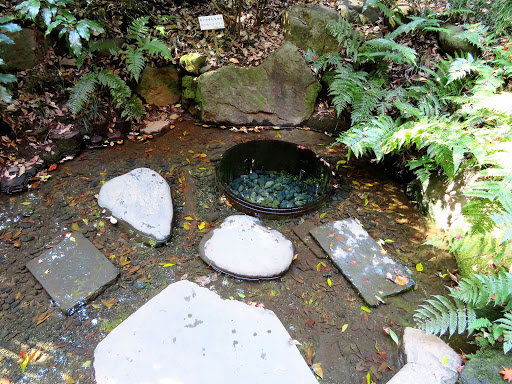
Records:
x=68, y=379
x=75, y=227
x=166, y=265
x=329, y=282
x=344, y=328
x=206, y=205
x=109, y=303
x=86, y=364
x=356, y=182
x=419, y=267
x=189, y=218
x=186, y=226
x=96, y=306
x=72, y=239
x=202, y=225
x=18, y=295
x=323, y=215
x=366, y=309
x=401, y=280
x=318, y=370
x=24, y=363
x=320, y=264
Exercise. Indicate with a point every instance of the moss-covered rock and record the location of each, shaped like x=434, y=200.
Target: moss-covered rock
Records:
x=452, y=43
x=306, y=28
x=485, y=367
x=160, y=86
x=28, y=49
x=281, y=91
x=192, y=62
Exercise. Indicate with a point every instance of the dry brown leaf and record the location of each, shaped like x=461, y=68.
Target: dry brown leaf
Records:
x=109, y=303
x=309, y=355
x=401, y=280
x=68, y=378
x=42, y=317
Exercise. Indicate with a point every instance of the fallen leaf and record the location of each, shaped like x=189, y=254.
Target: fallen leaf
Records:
x=109, y=303
x=53, y=167
x=68, y=378
x=240, y=294
x=344, y=328
x=233, y=60
x=419, y=267
x=366, y=309
x=86, y=364
x=309, y=356
x=43, y=316
x=318, y=370
x=401, y=280
x=329, y=282
x=201, y=225
x=5, y=380
x=166, y=265
x=24, y=363
x=75, y=227
x=507, y=374
x=294, y=342
x=392, y=334
x=186, y=226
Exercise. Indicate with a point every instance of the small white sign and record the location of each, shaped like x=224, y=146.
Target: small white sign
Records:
x=211, y=22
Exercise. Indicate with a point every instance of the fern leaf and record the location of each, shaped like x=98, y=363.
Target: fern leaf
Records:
x=135, y=62
x=138, y=28
x=387, y=49
x=133, y=109
x=81, y=92
x=156, y=47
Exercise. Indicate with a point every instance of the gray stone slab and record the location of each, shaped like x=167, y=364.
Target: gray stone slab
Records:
x=73, y=272
x=414, y=373
x=363, y=262
x=302, y=231
x=188, y=334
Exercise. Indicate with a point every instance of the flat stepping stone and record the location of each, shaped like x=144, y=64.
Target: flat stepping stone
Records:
x=362, y=261
x=141, y=198
x=302, y=231
x=188, y=334
x=73, y=272
x=244, y=248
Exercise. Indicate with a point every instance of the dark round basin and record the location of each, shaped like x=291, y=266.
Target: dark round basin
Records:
x=307, y=179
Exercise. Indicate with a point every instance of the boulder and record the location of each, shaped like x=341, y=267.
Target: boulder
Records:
x=352, y=10
x=244, y=248
x=142, y=199
x=433, y=353
x=192, y=62
x=156, y=127
x=28, y=49
x=306, y=28
x=281, y=91
x=484, y=368
x=452, y=43
x=160, y=86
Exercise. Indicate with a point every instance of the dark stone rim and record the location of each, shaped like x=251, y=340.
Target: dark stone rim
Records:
x=286, y=148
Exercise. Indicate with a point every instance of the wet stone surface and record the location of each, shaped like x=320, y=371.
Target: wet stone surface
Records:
x=362, y=260
x=273, y=189
x=73, y=272
x=188, y=334
x=244, y=248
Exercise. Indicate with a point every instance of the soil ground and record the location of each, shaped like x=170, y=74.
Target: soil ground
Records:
x=328, y=321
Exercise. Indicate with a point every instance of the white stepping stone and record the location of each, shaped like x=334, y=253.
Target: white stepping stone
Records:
x=188, y=334
x=141, y=198
x=244, y=248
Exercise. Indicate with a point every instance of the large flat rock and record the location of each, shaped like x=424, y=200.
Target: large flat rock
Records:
x=73, y=272
x=188, y=334
x=361, y=260
x=141, y=198
x=244, y=248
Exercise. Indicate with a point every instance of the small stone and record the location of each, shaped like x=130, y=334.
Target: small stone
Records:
x=5, y=306
x=155, y=127
x=27, y=238
x=15, y=304
x=139, y=285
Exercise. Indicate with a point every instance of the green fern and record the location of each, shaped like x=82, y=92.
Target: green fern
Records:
x=458, y=313
x=156, y=47
x=120, y=92
x=138, y=28
x=387, y=49
x=135, y=61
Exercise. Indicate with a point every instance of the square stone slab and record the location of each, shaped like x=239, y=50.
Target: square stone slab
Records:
x=73, y=272
x=361, y=260
x=188, y=334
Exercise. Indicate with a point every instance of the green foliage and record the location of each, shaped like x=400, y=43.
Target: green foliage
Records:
x=496, y=13
x=119, y=91
x=459, y=312
x=54, y=15
x=6, y=25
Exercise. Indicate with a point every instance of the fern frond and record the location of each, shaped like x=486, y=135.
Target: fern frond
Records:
x=441, y=314
x=479, y=290
x=135, y=62
x=82, y=91
x=387, y=49
x=347, y=83
x=133, y=109
x=104, y=45
x=156, y=47
x=138, y=28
